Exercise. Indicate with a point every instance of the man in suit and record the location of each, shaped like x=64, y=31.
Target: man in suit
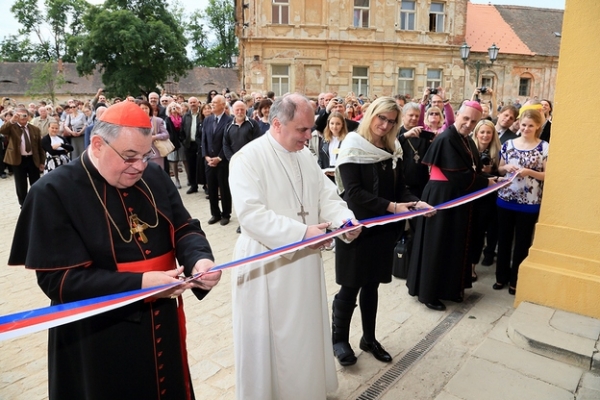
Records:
x=507, y=116
x=192, y=127
x=24, y=151
x=217, y=169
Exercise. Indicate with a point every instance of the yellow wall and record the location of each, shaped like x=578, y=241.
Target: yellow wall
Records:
x=563, y=267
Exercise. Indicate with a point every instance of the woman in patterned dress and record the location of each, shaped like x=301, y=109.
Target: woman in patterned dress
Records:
x=519, y=203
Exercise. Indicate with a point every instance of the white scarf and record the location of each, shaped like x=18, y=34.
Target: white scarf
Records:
x=356, y=149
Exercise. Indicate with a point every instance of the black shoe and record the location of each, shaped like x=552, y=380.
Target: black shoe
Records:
x=498, y=286
x=224, y=221
x=344, y=354
x=375, y=349
x=205, y=189
x=436, y=305
x=192, y=190
x=487, y=261
x=213, y=220
x=512, y=291
x=207, y=197
x=458, y=299
x=3, y=176
x=238, y=230
x=474, y=277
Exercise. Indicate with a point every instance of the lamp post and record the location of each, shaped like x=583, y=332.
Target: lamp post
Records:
x=464, y=55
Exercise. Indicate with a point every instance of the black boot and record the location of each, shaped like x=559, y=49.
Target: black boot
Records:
x=340, y=331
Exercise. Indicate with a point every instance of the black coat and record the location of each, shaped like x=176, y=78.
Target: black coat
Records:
x=368, y=190
x=440, y=266
x=132, y=352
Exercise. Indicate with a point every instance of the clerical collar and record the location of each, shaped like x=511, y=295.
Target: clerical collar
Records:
x=276, y=145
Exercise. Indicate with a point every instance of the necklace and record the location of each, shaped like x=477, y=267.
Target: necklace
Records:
x=301, y=213
x=416, y=157
x=137, y=225
x=466, y=144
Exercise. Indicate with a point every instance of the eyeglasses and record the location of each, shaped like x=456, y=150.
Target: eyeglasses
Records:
x=132, y=160
x=23, y=115
x=434, y=113
x=392, y=122
x=164, y=101
x=228, y=97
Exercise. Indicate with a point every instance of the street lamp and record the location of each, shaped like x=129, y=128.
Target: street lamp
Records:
x=492, y=54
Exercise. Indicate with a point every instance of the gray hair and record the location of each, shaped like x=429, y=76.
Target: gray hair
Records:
x=284, y=108
x=412, y=106
x=109, y=131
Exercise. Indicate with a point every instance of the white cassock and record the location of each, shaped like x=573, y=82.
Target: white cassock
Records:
x=281, y=328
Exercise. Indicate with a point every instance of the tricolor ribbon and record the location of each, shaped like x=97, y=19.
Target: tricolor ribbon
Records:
x=22, y=323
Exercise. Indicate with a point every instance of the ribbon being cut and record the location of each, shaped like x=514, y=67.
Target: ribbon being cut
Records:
x=22, y=323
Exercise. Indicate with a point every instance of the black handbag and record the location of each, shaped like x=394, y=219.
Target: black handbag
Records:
x=402, y=255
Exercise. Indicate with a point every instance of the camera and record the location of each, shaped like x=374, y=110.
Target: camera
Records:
x=339, y=100
x=482, y=90
x=433, y=91
x=486, y=159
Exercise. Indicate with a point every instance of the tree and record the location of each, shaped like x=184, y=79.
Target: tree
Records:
x=52, y=25
x=46, y=80
x=220, y=15
x=136, y=44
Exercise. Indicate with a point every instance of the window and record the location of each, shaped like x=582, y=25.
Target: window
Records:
x=406, y=81
x=436, y=17
x=281, y=12
x=361, y=13
x=524, y=87
x=280, y=79
x=360, y=80
x=407, y=15
x=434, y=78
x=488, y=82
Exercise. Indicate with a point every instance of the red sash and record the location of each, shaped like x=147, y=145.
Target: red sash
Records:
x=437, y=174
x=160, y=263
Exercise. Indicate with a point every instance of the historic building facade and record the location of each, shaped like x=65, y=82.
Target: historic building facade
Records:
x=376, y=47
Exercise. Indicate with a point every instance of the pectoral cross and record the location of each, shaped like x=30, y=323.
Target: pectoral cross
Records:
x=138, y=227
x=302, y=214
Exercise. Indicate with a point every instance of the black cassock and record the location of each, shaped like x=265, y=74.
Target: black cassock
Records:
x=63, y=232
x=440, y=267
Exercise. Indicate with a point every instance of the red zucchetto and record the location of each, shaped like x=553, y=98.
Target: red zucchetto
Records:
x=126, y=113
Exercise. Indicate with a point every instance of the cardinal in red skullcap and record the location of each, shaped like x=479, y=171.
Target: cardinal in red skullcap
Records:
x=105, y=224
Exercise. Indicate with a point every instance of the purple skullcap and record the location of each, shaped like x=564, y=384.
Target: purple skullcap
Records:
x=473, y=104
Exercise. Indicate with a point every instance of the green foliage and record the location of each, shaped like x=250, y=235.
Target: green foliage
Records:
x=51, y=25
x=45, y=81
x=219, y=15
x=137, y=45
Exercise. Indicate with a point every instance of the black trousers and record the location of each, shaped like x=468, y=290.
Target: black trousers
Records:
x=518, y=226
x=27, y=169
x=368, y=306
x=485, y=225
x=191, y=155
x=217, y=179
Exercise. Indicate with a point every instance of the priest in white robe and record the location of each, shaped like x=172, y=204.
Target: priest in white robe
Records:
x=281, y=326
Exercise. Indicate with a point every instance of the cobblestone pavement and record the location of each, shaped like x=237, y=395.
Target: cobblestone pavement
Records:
x=402, y=322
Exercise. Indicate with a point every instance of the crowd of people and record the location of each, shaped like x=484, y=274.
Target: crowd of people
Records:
x=292, y=168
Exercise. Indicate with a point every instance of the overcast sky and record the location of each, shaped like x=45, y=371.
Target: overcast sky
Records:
x=10, y=26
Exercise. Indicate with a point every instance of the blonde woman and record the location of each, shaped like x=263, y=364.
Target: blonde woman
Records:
x=485, y=215
x=519, y=203
x=334, y=134
x=368, y=168
x=434, y=120
x=174, y=127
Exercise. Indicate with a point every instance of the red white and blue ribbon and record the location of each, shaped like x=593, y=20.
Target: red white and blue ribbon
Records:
x=22, y=323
